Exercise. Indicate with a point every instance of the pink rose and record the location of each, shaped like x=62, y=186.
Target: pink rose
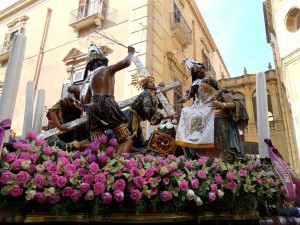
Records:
x=102, y=159
x=99, y=188
x=40, y=197
x=212, y=196
x=17, y=164
x=40, y=142
x=232, y=185
x=106, y=197
x=94, y=168
x=166, y=196
x=119, y=195
x=201, y=174
x=39, y=180
x=71, y=167
x=48, y=150
x=166, y=181
x=82, y=172
x=94, y=146
x=109, y=151
x=25, y=155
x=101, y=178
x=218, y=178
x=30, y=135
x=135, y=195
x=53, y=180
x=76, y=195
x=202, y=160
x=134, y=171
x=5, y=177
x=214, y=188
x=17, y=145
x=61, y=154
x=68, y=191
x=61, y=181
x=195, y=183
x=260, y=181
x=102, y=139
x=34, y=157
x=22, y=177
x=188, y=165
x=242, y=173
x=26, y=147
x=84, y=187
x=138, y=181
x=53, y=199
x=52, y=168
x=88, y=178
x=230, y=175
x=125, y=155
x=184, y=185
x=68, y=174
x=153, y=191
x=15, y=191
x=113, y=142
x=120, y=185
x=63, y=160
x=149, y=172
x=10, y=157
x=130, y=164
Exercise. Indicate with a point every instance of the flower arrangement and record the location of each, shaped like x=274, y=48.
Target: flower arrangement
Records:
x=98, y=182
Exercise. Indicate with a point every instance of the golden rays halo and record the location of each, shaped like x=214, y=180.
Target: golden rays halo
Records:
x=137, y=77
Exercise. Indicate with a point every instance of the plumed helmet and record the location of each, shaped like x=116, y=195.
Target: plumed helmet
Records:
x=190, y=63
x=94, y=52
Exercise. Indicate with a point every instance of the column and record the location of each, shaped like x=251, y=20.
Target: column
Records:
x=29, y=103
x=12, y=80
x=39, y=109
x=262, y=114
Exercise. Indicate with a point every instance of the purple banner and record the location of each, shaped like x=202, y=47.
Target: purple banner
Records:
x=4, y=125
x=286, y=174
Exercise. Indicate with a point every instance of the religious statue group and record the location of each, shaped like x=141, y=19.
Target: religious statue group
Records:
x=210, y=127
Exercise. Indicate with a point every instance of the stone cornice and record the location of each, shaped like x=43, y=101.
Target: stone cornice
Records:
x=11, y=10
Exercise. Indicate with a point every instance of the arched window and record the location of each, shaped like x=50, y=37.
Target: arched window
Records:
x=270, y=108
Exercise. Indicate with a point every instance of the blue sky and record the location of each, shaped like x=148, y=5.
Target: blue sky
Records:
x=238, y=29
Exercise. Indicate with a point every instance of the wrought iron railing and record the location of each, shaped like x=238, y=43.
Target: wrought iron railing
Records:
x=177, y=18
x=93, y=8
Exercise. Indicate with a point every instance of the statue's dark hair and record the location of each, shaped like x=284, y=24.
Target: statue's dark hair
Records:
x=94, y=64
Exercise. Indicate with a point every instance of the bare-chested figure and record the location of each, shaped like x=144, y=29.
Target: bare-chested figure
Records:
x=101, y=102
x=101, y=95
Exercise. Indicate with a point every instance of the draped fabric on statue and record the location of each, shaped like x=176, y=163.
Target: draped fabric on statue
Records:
x=196, y=127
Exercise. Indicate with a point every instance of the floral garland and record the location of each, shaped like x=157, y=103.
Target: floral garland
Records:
x=98, y=181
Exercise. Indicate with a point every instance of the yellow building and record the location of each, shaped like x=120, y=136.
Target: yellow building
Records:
x=282, y=20
x=164, y=33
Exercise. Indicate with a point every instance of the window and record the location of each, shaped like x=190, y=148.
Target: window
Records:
x=15, y=27
x=177, y=14
x=78, y=76
x=270, y=108
x=292, y=21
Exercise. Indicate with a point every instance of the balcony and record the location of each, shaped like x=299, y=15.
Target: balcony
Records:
x=180, y=29
x=4, y=52
x=91, y=15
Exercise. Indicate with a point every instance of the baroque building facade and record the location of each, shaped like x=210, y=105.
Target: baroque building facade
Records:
x=282, y=20
x=163, y=32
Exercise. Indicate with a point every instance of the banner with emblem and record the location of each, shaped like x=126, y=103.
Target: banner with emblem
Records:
x=196, y=127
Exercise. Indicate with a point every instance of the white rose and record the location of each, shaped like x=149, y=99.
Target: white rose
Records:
x=49, y=192
x=89, y=195
x=26, y=164
x=40, y=168
x=30, y=195
x=164, y=170
x=220, y=193
x=190, y=195
x=198, y=201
